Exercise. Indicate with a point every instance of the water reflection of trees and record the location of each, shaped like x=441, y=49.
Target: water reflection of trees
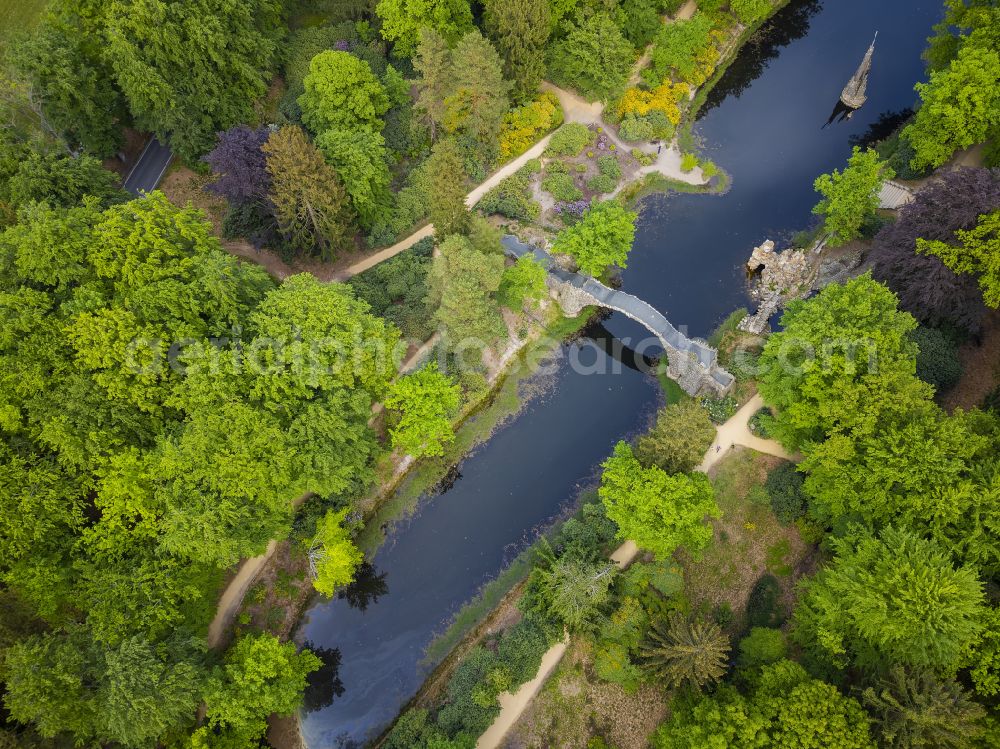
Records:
x=789, y=24
x=323, y=685
x=368, y=586
x=886, y=124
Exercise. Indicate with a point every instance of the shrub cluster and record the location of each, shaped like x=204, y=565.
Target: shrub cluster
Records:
x=397, y=288
x=569, y=140
x=523, y=126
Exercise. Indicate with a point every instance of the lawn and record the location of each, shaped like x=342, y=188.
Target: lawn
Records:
x=16, y=15
x=748, y=541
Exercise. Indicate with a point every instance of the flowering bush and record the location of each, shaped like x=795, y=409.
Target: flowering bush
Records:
x=664, y=98
x=574, y=208
x=524, y=125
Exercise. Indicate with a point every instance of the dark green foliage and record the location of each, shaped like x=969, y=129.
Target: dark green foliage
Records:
x=561, y=187
x=254, y=222
x=761, y=422
x=587, y=537
x=639, y=21
x=686, y=651
x=919, y=709
x=937, y=361
x=784, y=487
x=396, y=290
x=764, y=607
x=602, y=183
x=569, y=140
x=593, y=58
x=511, y=198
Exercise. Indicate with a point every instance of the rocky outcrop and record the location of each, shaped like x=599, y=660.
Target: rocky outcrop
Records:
x=780, y=277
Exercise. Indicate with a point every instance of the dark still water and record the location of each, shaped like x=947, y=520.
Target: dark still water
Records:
x=762, y=125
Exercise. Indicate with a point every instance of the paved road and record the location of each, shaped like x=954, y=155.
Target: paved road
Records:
x=149, y=169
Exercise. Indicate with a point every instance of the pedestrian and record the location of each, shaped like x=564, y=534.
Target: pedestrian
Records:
x=658, y=149
x=718, y=447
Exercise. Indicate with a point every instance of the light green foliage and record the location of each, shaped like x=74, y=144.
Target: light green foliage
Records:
x=423, y=403
x=260, y=676
x=619, y=637
x=983, y=660
x=573, y=592
x=961, y=104
x=682, y=651
x=446, y=189
x=845, y=347
x=919, y=709
x=335, y=556
x=893, y=599
x=167, y=62
x=463, y=281
x=786, y=709
x=659, y=512
x=477, y=97
x=688, y=162
x=977, y=253
x=762, y=647
x=609, y=167
x=342, y=92
x=569, y=140
x=65, y=72
x=128, y=694
x=360, y=160
x=524, y=281
x=678, y=46
x=402, y=21
x=602, y=184
x=61, y=180
x=749, y=11
x=604, y=237
x=679, y=439
x=850, y=197
x=593, y=58
x=520, y=29
x=310, y=202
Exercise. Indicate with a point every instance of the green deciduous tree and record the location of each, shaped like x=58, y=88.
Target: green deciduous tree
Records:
x=167, y=61
x=679, y=439
x=786, y=708
x=73, y=86
x=446, y=189
x=524, y=281
x=896, y=598
x=850, y=197
x=919, y=709
x=61, y=180
x=310, y=202
x=978, y=253
x=843, y=364
x=520, y=30
x=342, y=92
x=749, y=11
x=463, y=281
x=593, y=58
x=260, y=676
x=686, y=651
x=960, y=106
x=333, y=555
x=402, y=21
x=659, y=512
x=360, y=160
x=423, y=404
x=604, y=237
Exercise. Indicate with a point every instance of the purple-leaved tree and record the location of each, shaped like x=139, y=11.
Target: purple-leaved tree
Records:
x=240, y=166
x=927, y=288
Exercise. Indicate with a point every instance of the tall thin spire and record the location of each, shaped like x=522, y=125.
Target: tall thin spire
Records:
x=853, y=94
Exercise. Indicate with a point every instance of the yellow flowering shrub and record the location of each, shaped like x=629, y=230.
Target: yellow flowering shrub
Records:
x=523, y=126
x=664, y=98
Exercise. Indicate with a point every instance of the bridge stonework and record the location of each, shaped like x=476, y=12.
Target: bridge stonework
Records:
x=692, y=363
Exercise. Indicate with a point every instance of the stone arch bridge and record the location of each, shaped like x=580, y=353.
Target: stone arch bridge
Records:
x=691, y=362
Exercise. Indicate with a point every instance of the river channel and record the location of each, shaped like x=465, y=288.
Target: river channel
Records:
x=763, y=124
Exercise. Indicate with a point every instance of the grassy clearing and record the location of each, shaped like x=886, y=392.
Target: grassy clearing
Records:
x=19, y=15
x=748, y=540
x=575, y=706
